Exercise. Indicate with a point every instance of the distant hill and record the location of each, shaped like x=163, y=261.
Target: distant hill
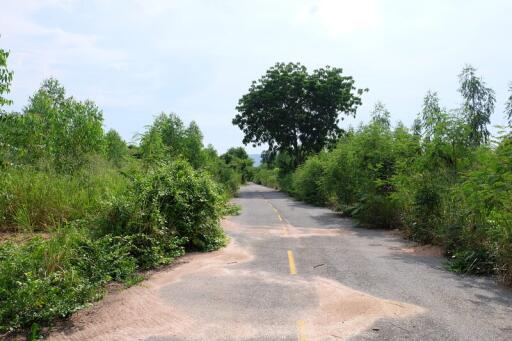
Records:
x=256, y=158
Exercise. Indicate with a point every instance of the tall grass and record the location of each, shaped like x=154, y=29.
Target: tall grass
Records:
x=35, y=200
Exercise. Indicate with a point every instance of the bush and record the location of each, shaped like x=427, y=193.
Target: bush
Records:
x=151, y=252
x=342, y=177
x=229, y=178
x=267, y=177
x=421, y=199
x=308, y=181
x=172, y=199
x=483, y=240
x=44, y=279
x=500, y=243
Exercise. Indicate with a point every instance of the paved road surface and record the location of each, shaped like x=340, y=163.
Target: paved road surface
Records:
x=297, y=272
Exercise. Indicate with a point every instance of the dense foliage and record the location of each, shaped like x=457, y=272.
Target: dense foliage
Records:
x=173, y=199
x=80, y=208
x=443, y=181
x=294, y=111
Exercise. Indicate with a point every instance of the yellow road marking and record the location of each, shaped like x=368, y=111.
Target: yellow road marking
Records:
x=279, y=216
x=291, y=261
x=277, y=212
x=301, y=331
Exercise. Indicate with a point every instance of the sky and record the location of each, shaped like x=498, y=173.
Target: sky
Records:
x=137, y=58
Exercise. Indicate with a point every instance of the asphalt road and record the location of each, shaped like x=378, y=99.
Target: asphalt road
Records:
x=297, y=272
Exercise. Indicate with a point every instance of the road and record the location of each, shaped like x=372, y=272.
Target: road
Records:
x=297, y=272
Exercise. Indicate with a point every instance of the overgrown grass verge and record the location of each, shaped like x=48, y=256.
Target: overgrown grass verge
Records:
x=37, y=200
x=161, y=213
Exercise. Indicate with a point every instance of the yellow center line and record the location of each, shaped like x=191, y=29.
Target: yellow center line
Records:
x=291, y=261
x=279, y=216
x=301, y=331
x=275, y=210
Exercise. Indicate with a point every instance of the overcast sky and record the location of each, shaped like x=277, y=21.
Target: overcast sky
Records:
x=197, y=58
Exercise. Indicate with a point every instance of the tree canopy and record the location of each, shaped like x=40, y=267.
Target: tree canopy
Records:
x=238, y=159
x=53, y=129
x=478, y=105
x=168, y=137
x=294, y=111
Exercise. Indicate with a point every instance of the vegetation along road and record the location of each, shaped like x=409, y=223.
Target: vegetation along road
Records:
x=298, y=272
x=101, y=239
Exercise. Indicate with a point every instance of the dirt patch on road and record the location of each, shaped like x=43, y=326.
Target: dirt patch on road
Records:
x=205, y=263
x=139, y=311
x=327, y=309
x=127, y=315
x=344, y=312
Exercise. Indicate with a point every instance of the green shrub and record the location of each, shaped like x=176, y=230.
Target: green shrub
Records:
x=267, y=177
x=420, y=198
x=500, y=242
x=172, y=199
x=152, y=251
x=285, y=182
x=342, y=177
x=146, y=225
x=308, y=181
x=238, y=160
x=226, y=177
x=44, y=279
x=229, y=178
x=482, y=240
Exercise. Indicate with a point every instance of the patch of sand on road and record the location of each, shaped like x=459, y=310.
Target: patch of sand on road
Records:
x=344, y=312
x=329, y=309
x=139, y=311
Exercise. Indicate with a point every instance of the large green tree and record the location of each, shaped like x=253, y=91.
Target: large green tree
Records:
x=69, y=129
x=478, y=105
x=294, y=111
